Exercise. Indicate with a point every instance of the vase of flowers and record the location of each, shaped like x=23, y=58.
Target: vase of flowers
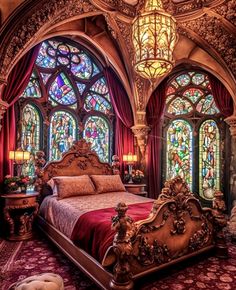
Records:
x=23, y=182
x=137, y=176
x=16, y=183
x=11, y=183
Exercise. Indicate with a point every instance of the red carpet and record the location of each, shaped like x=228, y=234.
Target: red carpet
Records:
x=22, y=259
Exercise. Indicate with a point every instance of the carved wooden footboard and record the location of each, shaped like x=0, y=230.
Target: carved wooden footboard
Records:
x=176, y=228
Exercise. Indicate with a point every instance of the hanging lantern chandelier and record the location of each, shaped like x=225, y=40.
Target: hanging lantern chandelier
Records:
x=154, y=37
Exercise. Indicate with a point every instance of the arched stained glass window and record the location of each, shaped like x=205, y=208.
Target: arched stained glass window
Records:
x=30, y=136
x=179, y=150
x=97, y=132
x=62, y=134
x=30, y=129
x=193, y=140
x=71, y=92
x=209, y=159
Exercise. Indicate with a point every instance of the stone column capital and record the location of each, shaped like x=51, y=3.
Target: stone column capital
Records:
x=141, y=133
x=231, y=121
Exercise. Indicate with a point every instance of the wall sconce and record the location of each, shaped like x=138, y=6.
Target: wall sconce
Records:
x=130, y=159
x=19, y=157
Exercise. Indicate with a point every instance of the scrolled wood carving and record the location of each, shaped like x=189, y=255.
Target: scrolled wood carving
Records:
x=152, y=253
x=220, y=222
x=122, y=247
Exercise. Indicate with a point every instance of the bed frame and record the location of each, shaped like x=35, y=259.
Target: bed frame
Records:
x=177, y=227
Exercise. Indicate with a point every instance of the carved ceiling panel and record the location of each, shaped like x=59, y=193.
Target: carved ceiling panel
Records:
x=210, y=21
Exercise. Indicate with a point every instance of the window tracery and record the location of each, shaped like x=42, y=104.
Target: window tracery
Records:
x=68, y=87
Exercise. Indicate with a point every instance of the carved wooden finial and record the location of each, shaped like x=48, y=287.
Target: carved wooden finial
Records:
x=80, y=146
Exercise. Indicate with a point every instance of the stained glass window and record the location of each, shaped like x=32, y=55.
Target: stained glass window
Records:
x=30, y=136
x=207, y=106
x=71, y=82
x=194, y=135
x=179, y=106
x=193, y=94
x=179, y=150
x=209, y=155
x=62, y=134
x=33, y=88
x=97, y=132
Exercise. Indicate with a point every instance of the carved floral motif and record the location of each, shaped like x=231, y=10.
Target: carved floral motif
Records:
x=227, y=10
x=152, y=253
x=213, y=32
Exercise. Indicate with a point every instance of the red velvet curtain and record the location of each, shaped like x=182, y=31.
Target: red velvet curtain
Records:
x=154, y=113
x=17, y=81
x=124, y=138
x=221, y=96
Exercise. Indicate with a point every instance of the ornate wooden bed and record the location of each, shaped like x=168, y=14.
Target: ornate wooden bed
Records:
x=177, y=227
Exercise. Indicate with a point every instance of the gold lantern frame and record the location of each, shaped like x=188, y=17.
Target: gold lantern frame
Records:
x=154, y=37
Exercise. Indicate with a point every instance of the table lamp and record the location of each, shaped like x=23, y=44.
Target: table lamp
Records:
x=130, y=159
x=19, y=157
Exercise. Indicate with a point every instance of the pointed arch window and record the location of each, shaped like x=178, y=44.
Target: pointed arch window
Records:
x=96, y=132
x=193, y=134
x=71, y=93
x=62, y=134
x=30, y=135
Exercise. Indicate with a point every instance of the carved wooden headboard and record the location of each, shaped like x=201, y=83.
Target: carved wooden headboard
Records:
x=79, y=160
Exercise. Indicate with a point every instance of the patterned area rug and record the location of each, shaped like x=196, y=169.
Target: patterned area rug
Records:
x=22, y=259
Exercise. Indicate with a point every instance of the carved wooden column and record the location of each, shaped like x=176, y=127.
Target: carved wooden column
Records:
x=231, y=121
x=3, y=108
x=3, y=105
x=141, y=133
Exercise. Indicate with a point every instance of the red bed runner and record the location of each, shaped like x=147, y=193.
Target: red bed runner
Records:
x=93, y=233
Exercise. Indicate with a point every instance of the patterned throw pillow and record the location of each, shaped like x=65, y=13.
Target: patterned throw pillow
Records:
x=107, y=183
x=78, y=185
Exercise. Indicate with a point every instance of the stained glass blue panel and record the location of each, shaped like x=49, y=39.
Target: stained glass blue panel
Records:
x=44, y=59
x=97, y=103
x=209, y=159
x=96, y=131
x=96, y=70
x=183, y=80
x=30, y=129
x=33, y=88
x=30, y=137
x=45, y=77
x=207, y=106
x=82, y=70
x=100, y=87
x=62, y=134
x=179, y=150
x=62, y=91
x=80, y=87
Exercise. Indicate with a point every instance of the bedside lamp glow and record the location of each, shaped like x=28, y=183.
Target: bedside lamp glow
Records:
x=19, y=157
x=130, y=159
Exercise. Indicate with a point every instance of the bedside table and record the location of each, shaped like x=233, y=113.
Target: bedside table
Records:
x=136, y=188
x=18, y=213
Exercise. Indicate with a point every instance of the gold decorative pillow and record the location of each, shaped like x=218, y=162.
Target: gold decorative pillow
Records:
x=79, y=185
x=107, y=183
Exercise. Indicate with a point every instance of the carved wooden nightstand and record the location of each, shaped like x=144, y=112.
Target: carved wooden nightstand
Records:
x=136, y=188
x=19, y=212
